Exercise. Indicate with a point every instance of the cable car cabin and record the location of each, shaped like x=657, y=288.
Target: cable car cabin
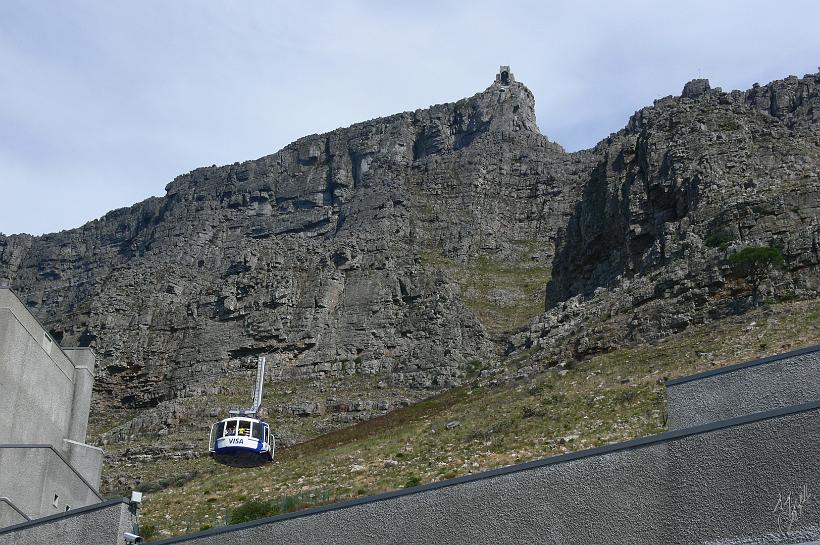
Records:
x=241, y=442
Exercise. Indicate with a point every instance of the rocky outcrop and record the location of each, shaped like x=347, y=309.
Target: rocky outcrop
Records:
x=309, y=255
x=688, y=183
x=318, y=255
x=743, y=166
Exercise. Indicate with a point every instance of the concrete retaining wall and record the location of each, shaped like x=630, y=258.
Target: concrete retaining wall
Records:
x=761, y=385
x=723, y=484
x=87, y=460
x=84, y=362
x=10, y=514
x=39, y=381
x=32, y=476
x=37, y=384
x=100, y=524
x=45, y=395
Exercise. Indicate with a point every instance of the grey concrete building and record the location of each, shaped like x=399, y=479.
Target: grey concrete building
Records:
x=45, y=396
x=754, y=386
x=103, y=523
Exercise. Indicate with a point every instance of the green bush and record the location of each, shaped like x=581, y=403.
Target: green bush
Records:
x=148, y=531
x=758, y=256
x=474, y=367
x=290, y=503
x=412, y=481
x=720, y=239
x=755, y=263
x=252, y=510
x=529, y=411
x=625, y=397
x=255, y=509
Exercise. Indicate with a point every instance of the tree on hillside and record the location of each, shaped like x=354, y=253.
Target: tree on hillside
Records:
x=755, y=263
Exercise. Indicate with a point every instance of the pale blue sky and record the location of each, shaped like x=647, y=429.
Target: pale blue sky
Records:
x=102, y=103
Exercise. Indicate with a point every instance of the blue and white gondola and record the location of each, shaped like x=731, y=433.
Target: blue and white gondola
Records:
x=242, y=442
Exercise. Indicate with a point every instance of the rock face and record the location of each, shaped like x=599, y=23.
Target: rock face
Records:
x=742, y=166
x=315, y=255
x=309, y=255
x=688, y=183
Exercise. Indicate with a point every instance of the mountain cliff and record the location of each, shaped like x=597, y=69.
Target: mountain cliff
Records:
x=310, y=255
x=672, y=200
x=429, y=248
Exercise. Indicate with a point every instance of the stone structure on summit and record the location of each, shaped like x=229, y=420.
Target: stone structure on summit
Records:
x=504, y=76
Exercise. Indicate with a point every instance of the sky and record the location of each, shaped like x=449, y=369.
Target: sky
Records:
x=103, y=103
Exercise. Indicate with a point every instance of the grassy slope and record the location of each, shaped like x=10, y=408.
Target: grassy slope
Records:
x=608, y=398
x=127, y=466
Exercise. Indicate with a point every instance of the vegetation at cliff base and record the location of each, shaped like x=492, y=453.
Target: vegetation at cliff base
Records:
x=605, y=399
x=755, y=263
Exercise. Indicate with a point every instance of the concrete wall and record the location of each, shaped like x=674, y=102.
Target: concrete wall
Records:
x=760, y=385
x=51, y=386
x=10, y=514
x=718, y=484
x=100, y=524
x=87, y=460
x=31, y=476
x=84, y=362
x=36, y=379
x=45, y=395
